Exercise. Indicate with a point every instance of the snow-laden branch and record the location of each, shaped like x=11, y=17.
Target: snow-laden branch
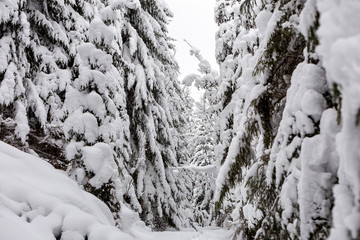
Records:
x=204, y=68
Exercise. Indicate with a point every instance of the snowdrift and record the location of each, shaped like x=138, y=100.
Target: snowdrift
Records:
x=39, y=202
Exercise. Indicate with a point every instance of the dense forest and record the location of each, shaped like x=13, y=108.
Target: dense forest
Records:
x=270, y=151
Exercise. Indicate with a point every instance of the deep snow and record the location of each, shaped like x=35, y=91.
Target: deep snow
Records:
x=38, y=202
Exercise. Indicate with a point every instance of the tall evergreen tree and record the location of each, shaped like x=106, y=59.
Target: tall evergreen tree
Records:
x=203, y=157
x=266, y=49
x=97, y=123
x=34, y=75
x=150, y=82
x=71, y=92
x=203, y=140
x=92, y=87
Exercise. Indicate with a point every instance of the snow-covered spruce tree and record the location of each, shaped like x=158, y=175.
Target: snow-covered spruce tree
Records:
x=65, y=86
x=203, y=156
x=150, y=76
x=221, y=104
x=287, y=124
x=33, y=76
x=62, y=71
x=266, y=49
x=203, y=140
x=181, y=104
x=230, y=55
x=321, y=157
x=303, y=156
x=14, y=24
x=97, y=125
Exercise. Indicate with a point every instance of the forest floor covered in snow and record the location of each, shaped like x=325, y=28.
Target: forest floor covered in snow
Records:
x=38, y=202
x=202, y=234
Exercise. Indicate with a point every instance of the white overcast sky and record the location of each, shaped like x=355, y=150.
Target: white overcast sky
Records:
x=194, y=21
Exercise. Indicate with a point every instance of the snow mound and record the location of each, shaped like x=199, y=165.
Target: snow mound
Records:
x=39, y=202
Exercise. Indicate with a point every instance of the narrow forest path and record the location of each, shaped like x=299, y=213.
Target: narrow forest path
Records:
x=208, y=233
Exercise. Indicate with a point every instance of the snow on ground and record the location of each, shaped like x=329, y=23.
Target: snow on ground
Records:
x=38, y=202
x=191, y=234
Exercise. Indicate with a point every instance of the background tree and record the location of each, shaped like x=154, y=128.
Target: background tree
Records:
x=203, y=157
